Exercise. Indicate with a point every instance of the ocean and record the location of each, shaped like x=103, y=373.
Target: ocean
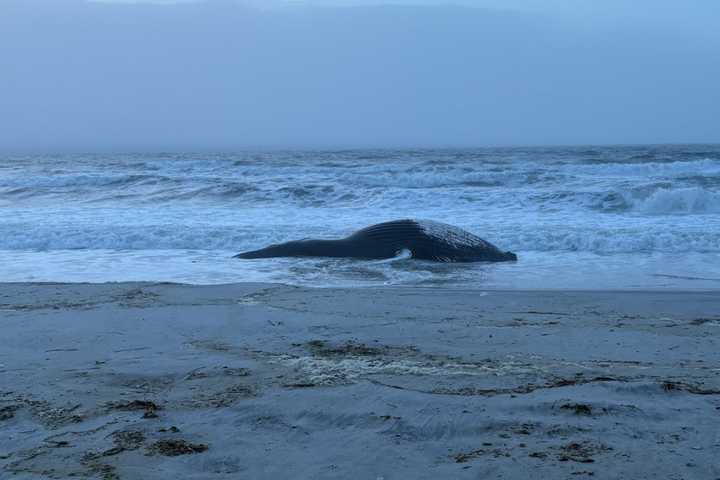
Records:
x=626, y=217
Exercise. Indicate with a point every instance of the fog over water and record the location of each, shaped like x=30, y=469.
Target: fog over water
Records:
x=222, y=75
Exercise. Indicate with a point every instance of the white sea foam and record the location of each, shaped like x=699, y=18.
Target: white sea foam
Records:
x=629, y=203
x=645, y=238
x=707, y=166
x=403, y=254
x=680, y=201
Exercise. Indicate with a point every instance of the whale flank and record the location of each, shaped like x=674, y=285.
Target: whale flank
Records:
x=423, y=239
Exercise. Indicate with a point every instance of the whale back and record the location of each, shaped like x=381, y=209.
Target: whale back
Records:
x=430, y=240
x=425, y=239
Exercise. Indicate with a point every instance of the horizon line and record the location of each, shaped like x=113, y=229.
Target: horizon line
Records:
x=339, y=148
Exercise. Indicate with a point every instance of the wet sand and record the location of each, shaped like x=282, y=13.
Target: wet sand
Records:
x=157, y=381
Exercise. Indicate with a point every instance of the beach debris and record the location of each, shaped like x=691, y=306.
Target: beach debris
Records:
x=301, y=385
x=523, y=429
x=580, y=452
x=150, y=408
x=523, y=389
x=176, y=447
x=350, y=348
x=540, y=455
x=8, y=412
x=703, y=321
x=332, y=364
x=464, y=457
x=128, y=439
x=671, y=386
x=385, y=418
x=91, y=461
x=54, y=417
x=211, y=345
x=123, y=440
x=202, y=372
x=577, y=408
x=222, y=398
x=172, y=429
x=57, y=443
x=196, y=374
x=103, y=470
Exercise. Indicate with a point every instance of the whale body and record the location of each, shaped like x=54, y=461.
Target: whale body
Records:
x=424, y=239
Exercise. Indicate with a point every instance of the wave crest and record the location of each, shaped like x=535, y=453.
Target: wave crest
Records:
x=549, y=238
x=658, y=201
x=678, y=201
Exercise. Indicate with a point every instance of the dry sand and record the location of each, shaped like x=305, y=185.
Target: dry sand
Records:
x=159, y=381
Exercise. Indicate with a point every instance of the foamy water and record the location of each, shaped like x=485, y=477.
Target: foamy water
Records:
x=587, y=217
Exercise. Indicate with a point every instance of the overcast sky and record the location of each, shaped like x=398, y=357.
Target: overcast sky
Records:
x=222, y=75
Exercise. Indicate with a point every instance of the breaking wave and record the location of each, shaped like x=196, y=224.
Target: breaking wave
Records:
x=679, y=201
x=643, y=209
x=227, y=238
x=657, y=201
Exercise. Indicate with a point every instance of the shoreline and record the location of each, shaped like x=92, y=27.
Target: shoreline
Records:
x=153, y=380
x=438, y=288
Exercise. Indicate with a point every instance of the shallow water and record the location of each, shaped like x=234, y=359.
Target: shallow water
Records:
x=582, y=217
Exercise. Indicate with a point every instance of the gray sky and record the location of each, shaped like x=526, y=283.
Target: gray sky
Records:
x=221, y=75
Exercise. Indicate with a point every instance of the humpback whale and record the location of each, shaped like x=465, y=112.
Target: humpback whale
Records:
x=424, y=239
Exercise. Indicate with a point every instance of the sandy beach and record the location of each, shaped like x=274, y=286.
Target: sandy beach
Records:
x=359, y=239
x=157, y=381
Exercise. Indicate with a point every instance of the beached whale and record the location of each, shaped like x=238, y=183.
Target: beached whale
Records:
x=424, y=239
